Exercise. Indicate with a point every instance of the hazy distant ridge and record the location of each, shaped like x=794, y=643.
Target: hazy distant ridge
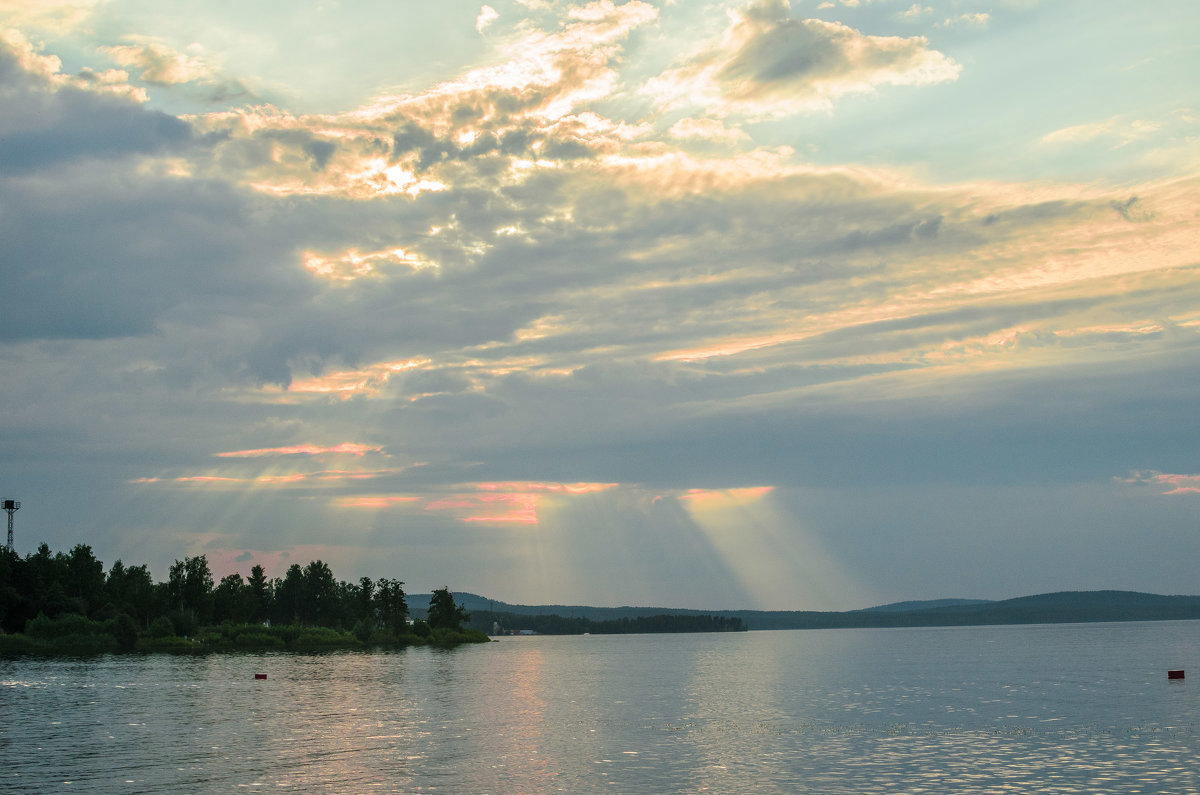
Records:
x=1050, y=608
x=928, y=604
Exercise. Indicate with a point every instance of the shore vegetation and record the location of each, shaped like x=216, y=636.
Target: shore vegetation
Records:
x=56, y=603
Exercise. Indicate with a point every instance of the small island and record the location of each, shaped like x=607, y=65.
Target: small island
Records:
x=54, y=603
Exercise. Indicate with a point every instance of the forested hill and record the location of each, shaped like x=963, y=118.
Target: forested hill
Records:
x=1051, y=608
x=489, y=615
x=901, y=607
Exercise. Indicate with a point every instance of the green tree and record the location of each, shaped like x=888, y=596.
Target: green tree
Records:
x=444, y=613
x=228, y=601
x=258, y=593
x=11, y=618
x=364, y=598
x=289, y=593
x=319, y=595
x=190, y=586
x=131, y=590
x=391, y=608
x=42, y=583
x=161, y=627
x=122, y=628
x=83, y=580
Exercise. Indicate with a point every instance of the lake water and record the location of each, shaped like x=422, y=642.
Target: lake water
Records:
x=1048, y=708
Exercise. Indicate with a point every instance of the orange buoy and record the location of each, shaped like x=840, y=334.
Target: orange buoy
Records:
x=1175, y=674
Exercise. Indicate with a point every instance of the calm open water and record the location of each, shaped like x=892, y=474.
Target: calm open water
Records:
x=1063, y=708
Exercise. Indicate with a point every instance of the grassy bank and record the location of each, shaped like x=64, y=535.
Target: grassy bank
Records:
x=75, y=635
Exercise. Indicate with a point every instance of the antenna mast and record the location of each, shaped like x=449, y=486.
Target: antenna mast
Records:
x=11, y=507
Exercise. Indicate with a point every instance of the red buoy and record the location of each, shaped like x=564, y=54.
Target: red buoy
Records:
x=260, y=676
x=1175, y=674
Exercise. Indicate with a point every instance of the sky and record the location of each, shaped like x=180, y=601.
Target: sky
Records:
x=675, y=303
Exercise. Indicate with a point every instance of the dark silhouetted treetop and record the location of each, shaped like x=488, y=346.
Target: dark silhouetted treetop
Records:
x=443, y=613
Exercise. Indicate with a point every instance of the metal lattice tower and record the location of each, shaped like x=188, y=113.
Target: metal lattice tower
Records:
x=11, y=507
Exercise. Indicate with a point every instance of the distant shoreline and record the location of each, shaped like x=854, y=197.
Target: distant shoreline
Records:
x=1064, y=607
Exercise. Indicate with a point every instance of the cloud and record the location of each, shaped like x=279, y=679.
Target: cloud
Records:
x=487, y=15
x=914, y=11
x=345, y=448
x=485, y=503
x=28, y=72
x=58, y=15
x=138, y=249
x=771, y=64
x=548, y=304
x=1175, y=484
x=161, y=65
x=529, y=108
x=368, y=381
x=504, y=278
x=51, y=118
x=99, y=164
x=1122, y=130
x=707, y=129
x=322, y=478
x=969, y=20
x=726, y=498
x=354, y=264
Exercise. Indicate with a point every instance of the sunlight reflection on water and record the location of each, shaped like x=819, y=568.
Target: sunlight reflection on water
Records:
x=1075, y=708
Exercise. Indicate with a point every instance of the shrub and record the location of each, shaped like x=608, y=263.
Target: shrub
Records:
x=20, y=645
x=452, y=637
x=362, y=630
x=183, y=623
x=84, y=645
x=161, y=628
x=64, y=625
x=39, y=627
x=123, y=630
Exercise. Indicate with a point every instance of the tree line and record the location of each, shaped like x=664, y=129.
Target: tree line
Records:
x=554, y=624
x=47, y=596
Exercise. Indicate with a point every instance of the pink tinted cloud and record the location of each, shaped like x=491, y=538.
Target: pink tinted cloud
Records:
x=345, y=448
x=524, y=517
x=374, y=501
x=273, y=479
x=715, y=496
x=508, y=508
x=326, y=476
x=343, y=474
x=514, y=509
x=1174, y=483
x=206, y=479
x=730, y=347
x=368, y=381
x=190, y=479
x=536, y=486
x=450, y=504
x=508, y=502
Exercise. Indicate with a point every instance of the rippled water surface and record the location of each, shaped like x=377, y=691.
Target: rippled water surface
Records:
x=1065, y=708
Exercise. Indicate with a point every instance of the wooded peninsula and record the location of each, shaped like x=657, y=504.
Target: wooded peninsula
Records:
x=65, y=603
x=55, y=603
